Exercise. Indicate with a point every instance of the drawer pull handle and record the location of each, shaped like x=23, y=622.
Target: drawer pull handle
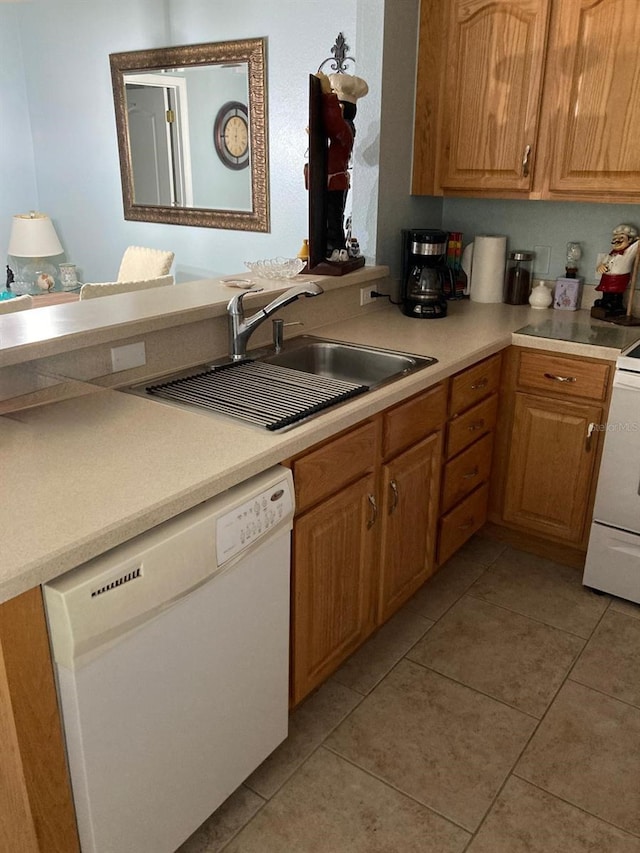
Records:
x=374, y=514
x=525, y=161
x=476, y=425
x=555, y=378
x=590, y=430
x=470, y=474
x=394, y=488
x=467, y=523
x=482, y=383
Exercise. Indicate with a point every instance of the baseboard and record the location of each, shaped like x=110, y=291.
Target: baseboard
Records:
x=563, y=554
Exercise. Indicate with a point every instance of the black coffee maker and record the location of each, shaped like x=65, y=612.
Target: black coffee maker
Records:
x=426, y=278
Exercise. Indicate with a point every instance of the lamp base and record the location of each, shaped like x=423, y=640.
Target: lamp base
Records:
x=40, y=274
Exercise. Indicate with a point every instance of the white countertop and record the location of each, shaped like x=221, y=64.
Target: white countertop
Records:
x=85, y=474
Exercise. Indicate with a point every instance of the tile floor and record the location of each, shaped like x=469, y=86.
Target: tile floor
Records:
x=497, y=712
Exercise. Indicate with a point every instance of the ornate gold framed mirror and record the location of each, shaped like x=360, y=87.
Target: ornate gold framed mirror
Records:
x=166, y=104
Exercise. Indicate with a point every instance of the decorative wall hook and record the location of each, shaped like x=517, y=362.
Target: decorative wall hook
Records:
x=339, y=59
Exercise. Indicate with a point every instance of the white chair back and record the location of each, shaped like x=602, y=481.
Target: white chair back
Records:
x=108, y=288
x=139, y=264
x=18, y=303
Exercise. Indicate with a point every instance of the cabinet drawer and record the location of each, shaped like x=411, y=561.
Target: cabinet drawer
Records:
x=413, y=420
x=468, y=427
x=324, y=471
x=474, y=384
x=465, y=473
x=462, y=522
x=570, y=377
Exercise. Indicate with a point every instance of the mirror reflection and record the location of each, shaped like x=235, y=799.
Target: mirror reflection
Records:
x=192, y=134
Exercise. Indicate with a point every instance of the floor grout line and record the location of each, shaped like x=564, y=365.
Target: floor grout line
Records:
x=574, y=805
x=387, y=783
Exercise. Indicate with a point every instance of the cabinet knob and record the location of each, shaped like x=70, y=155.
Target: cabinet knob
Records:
x=470, y=474
x=481, y=383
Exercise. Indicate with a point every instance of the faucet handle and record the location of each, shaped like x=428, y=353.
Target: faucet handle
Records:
x=235, y=305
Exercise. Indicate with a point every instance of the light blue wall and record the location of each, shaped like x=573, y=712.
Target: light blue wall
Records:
x=58, y=151
x=214, y=184
x=397, y=208
x=543, y=223
x=77, y=171
x=17, y=168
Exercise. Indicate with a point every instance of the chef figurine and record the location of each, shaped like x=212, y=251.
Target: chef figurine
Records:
x=616, y=269
x=339, y=95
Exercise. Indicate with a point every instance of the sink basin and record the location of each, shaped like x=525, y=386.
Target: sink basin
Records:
x=267, y=389
x=361, y=365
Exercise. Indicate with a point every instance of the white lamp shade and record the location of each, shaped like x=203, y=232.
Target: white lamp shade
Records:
x=33, y=236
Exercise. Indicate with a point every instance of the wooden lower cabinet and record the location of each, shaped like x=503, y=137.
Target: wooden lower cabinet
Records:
x=333, y=606
x=410, y=485
x=551, y=466
x=548, y=450
x=364, y=537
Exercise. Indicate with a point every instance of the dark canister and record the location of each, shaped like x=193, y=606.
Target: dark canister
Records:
x=517, y=280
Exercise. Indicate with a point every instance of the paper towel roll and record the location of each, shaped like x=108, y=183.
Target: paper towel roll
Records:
x=487, y=271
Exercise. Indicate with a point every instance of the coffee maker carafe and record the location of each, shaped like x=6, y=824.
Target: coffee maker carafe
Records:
x=426, y=278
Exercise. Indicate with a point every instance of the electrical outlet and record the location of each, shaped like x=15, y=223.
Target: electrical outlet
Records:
x=365, y=295
x=128, y=356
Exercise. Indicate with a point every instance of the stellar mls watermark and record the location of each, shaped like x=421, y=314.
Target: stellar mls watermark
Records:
x=618, y=426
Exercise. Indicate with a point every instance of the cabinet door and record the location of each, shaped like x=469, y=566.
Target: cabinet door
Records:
x=409, y=516
x=551, y=464
x=333, y=584
x=592, y=99
x=494, y=70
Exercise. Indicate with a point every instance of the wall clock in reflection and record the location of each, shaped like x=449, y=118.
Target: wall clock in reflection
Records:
x=231, y=135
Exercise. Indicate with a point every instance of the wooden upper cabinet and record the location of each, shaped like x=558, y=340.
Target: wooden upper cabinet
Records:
x=534, y=99
x=492, y=93
x=592, y=101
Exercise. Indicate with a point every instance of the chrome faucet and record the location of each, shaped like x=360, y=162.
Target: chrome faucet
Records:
x=241, y=328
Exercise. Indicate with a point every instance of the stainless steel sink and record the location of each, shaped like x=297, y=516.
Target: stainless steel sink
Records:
x=355, y=363
x=277, y=391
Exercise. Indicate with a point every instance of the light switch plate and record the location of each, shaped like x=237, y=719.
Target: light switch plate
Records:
x=128, y=356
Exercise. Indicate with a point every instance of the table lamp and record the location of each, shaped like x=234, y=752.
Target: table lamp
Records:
x=33, y=236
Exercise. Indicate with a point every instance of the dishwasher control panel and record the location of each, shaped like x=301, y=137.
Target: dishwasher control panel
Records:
x=245, y=524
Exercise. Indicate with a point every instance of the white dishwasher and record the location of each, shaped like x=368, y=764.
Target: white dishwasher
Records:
x=171, y=659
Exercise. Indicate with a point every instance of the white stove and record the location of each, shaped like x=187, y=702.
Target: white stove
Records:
x=629, y=359
x=613, y=556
